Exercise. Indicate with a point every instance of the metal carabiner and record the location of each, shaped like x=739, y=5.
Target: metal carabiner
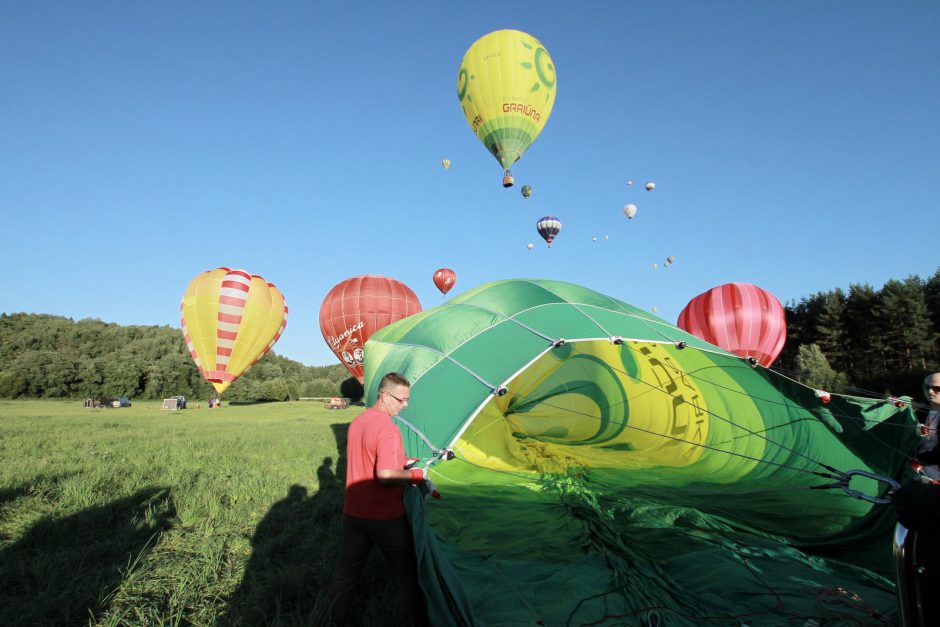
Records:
x=878, y=500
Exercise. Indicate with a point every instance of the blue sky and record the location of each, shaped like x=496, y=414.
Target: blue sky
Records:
x=795, y=145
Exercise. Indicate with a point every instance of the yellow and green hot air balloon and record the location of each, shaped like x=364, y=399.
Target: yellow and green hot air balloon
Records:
x=506, y=88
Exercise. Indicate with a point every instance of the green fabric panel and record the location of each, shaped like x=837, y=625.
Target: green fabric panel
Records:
x=435, y=415
x=448, y=605
x=507, y=137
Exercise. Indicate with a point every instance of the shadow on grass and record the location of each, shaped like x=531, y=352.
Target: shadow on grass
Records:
x=294, y=553
x=11, y=494
x=294, y=549
x=62, y=570
x=41, y=484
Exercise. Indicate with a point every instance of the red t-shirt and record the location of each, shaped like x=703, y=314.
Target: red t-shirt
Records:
x=373, y=443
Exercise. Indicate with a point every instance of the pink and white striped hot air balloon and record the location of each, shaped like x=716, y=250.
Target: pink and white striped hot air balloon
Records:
x=230, y=319
x=740, y=318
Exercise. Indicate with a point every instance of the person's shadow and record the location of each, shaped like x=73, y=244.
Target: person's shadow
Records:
x=62, y=570
x=294, y=551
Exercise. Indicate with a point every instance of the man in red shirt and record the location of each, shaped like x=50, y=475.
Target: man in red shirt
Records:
x=373, y=511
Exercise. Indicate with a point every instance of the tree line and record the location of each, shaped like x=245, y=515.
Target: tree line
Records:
x=866, y=340
x=863, y=340
x=44, y=356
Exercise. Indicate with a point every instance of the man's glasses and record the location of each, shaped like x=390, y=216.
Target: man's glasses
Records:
x=932, y=388
x=405, y=400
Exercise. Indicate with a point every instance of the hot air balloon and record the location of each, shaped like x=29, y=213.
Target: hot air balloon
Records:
x=526, y=191
x=548, y=227
x=593, y=239
x=530, y=245
x=740, y=318
x=629, y=183
x=669, y=260
x=506, y=88
x=594, y=440
x=629, y=210
x=230, y=319
x=444, y=279
x=650, y=186
x=446, y=164
x=358, y=307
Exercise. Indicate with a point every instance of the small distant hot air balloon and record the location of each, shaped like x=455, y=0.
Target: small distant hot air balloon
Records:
x=444, y=279
x=740, y=318
x=629, y=210
x=669, y=260
x=530, y=245
x=230, y=319
x=650, y=186
x=548, y=227
x=526, y=191
x=655, y=265
x=654, y=308
x=506, y=88
x=358, y=307
x=446, y=164
x=593, y=239
x=629, y=183
x=606, y=237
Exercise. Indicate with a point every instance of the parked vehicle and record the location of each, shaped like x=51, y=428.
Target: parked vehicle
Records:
x=175, y=402
x=121, y=401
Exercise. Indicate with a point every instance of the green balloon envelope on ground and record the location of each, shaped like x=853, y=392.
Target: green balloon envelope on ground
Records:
x=608, y=465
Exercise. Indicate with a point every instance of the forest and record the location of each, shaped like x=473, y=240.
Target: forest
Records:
x=44, y=356
x=863, y=341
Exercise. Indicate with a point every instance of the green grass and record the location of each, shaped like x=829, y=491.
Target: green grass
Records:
x=136, y=516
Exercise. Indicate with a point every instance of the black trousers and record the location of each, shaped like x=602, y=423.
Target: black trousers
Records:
x=394, y=539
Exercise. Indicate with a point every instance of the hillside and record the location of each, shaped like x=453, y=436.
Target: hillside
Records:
x=44, y=356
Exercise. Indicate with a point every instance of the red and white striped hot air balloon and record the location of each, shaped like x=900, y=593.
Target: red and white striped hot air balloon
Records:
x=230, y=319
x=740, y=318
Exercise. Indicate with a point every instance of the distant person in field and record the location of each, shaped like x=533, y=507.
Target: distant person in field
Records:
x=373, y=510
x=928, y=453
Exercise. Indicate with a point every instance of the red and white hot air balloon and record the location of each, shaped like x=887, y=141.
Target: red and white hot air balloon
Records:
x=444, y=279
x=230, y=320
x=740, y=318
x=358, y=307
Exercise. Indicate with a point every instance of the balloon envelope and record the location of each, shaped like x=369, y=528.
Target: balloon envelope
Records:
x=740, y=318
x=444, y=279
x=230, y=319
x=506, y=88
x=358, y=307
x=526, y=191
x=650, y=186
x=629, y=210
x=446, y=164
x=658, y=460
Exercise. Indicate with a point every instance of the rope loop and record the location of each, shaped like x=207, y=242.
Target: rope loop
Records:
x=845, y=478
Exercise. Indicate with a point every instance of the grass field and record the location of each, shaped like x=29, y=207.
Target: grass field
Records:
x=199, y=517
